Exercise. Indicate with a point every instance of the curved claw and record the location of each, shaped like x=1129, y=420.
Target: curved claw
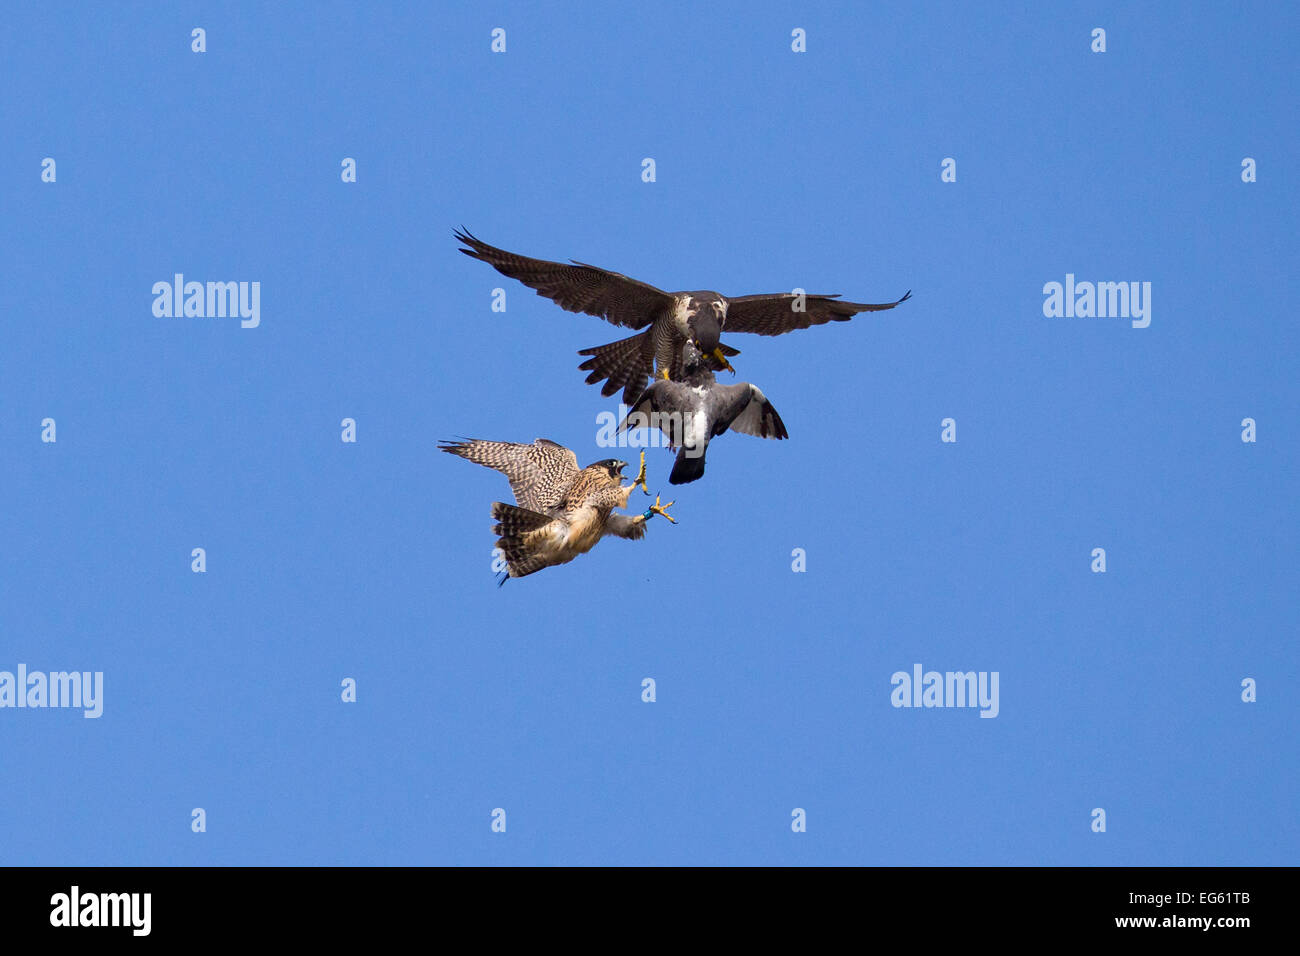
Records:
x=658, y=509
x=717, y=354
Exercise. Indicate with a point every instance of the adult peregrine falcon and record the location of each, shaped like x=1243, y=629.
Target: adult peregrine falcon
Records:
x=561, y=510
x=696, y=409
x=668, y=318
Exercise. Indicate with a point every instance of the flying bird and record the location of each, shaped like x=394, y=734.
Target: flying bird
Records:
x=695, y=410
x=561, y=510
x=668, y=319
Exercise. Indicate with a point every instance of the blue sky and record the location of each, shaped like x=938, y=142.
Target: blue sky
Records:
x=774, y=169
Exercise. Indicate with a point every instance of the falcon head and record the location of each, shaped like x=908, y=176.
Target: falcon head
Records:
x=705, y=319
x=612, y=466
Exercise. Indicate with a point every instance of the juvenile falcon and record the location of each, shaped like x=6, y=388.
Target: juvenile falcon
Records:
x=668, y=318
x=561, y=511
x=695, y=410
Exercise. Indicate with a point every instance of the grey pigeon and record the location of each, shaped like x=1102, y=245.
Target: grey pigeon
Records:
x=695, y=410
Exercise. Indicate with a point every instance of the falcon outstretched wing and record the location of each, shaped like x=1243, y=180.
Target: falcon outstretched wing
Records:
x=539, y=473
x=774, y=314
x=577, y=287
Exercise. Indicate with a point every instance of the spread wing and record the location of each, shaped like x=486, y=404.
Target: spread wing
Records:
x=759, y=418
x=539, y=473
x=645, y=404
x=774, y=314
x=577, y=287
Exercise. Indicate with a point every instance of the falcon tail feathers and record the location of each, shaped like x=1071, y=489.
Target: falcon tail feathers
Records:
x=625, y=364
x=513, y=525
x=520, y=562
x=513, y=521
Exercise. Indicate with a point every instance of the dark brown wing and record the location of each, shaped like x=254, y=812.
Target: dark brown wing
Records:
x=577, y=287
x=775, y=314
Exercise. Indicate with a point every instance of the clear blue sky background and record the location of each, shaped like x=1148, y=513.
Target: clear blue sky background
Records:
x=372, y=561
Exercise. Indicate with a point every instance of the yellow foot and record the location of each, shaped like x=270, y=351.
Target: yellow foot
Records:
x=658, y=509
x=717, y=354
x=663, y=373
x=640, y=476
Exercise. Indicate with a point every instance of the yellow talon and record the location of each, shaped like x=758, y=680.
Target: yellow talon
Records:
x=640, y=476
x=663, y=373
x=717, y=354
x=658, y=509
